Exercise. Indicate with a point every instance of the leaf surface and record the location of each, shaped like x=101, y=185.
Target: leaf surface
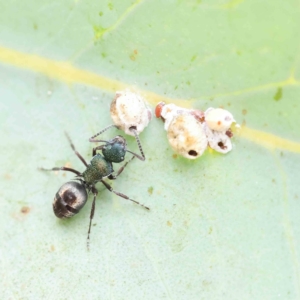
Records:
x=220, y=227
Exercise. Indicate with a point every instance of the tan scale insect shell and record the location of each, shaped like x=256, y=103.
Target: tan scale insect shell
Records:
x=130, y=110
x=186, y=136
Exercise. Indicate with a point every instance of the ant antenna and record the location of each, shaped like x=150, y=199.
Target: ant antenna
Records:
x=133, y=130
x=92, y=139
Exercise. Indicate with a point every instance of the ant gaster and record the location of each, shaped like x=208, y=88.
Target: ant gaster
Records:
x=72, y=196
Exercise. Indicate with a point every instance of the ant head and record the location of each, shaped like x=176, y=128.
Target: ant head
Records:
x=115, y=149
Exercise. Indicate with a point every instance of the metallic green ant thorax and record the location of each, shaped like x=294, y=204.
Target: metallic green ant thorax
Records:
x=97, y=169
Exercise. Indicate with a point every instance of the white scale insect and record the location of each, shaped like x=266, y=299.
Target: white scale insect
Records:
x=217, y=128
x=190, y=131
x=129, y=111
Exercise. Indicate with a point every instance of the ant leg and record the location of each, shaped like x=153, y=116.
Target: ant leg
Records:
x=121, y=195
x=62, y=169
x=113, y=177
x=97, y=148
x=133, y=130
x=76, y=152
x=92, y=139
x=95, y=192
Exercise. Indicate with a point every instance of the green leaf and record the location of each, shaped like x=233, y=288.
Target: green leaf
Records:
x=221, y=226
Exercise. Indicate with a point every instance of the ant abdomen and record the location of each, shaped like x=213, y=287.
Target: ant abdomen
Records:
x=69, y=199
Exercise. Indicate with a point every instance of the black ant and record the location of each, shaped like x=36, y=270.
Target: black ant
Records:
x=72, y=196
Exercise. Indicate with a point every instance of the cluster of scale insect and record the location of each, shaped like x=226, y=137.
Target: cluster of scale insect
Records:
x=191, y=131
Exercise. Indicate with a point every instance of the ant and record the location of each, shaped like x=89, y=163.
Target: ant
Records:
x=72, y=195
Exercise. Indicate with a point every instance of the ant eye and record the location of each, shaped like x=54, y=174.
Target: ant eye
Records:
x=129, y=110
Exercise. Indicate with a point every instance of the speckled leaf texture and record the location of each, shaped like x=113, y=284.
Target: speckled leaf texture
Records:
x=220, y=227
